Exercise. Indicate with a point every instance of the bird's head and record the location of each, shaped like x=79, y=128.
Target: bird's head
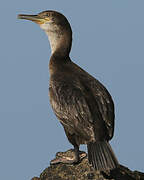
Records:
x=55, y=25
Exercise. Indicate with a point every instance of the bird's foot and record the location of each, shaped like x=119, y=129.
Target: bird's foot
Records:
x=64, y=160
x=68, y=157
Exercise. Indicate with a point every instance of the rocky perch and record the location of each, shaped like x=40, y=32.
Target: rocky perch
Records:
x=83, y=171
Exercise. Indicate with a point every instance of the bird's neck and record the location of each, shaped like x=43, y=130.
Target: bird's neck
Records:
x=60, y=43
x=60, y=48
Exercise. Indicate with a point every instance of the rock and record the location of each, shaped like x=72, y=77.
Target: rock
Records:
x=83, y=171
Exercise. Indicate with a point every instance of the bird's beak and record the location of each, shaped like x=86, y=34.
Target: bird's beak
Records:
x=35, y=18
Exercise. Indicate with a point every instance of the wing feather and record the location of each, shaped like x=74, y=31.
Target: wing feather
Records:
x=72, y=110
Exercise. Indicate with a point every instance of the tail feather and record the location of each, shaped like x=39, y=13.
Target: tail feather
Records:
x=101, y=156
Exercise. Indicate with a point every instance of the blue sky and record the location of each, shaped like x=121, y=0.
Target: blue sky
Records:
x=108, y=42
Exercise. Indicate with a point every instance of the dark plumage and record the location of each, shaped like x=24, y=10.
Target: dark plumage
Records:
x=81, y=103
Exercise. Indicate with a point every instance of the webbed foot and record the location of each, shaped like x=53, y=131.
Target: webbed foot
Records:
x=71, y=156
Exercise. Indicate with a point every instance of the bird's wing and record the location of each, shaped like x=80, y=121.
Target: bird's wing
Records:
x=72, y=109
x=105, y=104
x=87, y=104
x=103, y=100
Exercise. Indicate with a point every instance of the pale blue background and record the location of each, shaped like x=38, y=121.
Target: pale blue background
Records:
x=108, y=42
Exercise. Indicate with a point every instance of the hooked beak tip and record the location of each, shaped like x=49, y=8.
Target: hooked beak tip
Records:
x=34, y=18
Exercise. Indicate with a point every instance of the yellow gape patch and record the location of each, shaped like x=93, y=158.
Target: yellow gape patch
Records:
x=47, y=19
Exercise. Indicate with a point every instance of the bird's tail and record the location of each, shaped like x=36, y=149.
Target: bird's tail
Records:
x=101, y=156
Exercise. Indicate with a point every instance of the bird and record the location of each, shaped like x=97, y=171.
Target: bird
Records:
x=81, y=103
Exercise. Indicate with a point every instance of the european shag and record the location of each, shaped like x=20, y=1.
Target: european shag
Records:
x=81, y=103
